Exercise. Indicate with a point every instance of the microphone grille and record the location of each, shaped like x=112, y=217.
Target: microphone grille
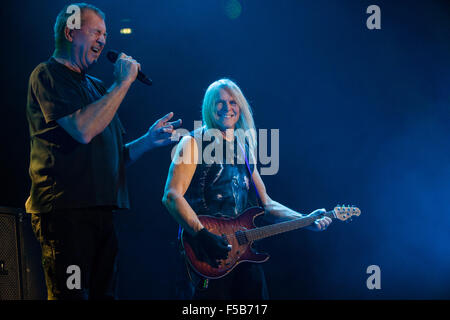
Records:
x=112, y=55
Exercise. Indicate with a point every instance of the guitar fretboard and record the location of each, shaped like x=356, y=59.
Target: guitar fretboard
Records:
x=273, y=229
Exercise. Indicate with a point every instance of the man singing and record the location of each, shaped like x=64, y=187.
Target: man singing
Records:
x=78, y=158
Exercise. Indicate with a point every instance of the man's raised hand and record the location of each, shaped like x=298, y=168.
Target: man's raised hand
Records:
x=161, y=131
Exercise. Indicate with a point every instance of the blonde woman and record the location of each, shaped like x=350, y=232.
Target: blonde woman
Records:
x=195, y=186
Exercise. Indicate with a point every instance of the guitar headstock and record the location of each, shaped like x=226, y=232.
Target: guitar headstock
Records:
x=344, y=213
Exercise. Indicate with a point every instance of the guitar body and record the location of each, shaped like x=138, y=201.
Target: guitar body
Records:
x=241, y=250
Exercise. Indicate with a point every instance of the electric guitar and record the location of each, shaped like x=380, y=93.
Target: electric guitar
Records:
x=241, y=232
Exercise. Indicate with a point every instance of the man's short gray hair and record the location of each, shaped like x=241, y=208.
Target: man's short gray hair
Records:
x=61, y=21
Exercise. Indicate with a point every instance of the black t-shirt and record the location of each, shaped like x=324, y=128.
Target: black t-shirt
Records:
x=65, y=173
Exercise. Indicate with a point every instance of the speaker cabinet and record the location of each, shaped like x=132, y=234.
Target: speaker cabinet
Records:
x=21, y=275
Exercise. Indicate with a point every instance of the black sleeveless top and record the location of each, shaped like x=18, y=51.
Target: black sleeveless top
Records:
x=221, y=188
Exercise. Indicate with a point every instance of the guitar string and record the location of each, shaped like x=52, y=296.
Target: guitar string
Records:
x=287, y=222
x=265, y=228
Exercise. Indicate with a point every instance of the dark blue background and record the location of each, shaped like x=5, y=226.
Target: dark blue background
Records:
x=363, y=118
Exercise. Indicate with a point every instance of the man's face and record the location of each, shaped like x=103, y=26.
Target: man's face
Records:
x=227, y=111
x=89, y=40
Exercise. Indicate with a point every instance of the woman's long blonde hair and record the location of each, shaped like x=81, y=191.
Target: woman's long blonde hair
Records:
x=245, y=123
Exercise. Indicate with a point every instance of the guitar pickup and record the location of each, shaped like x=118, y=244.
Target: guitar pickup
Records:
x=241, y=237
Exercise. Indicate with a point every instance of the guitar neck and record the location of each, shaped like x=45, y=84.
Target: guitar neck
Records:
x=273, y=229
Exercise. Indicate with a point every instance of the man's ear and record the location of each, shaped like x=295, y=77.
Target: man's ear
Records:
x=68, y=33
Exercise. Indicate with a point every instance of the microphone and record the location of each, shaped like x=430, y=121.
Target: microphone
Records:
x=113, y=55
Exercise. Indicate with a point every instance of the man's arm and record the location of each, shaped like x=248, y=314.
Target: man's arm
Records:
x=158, y=135
x=208, y=247
x=276, y=212
x=180, y=175
x=85, y=123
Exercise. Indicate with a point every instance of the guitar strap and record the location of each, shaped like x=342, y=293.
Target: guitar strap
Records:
x=198, y=282
x=260, y=204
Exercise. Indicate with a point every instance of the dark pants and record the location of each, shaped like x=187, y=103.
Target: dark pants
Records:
x=245, y=282
x=78, y=244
